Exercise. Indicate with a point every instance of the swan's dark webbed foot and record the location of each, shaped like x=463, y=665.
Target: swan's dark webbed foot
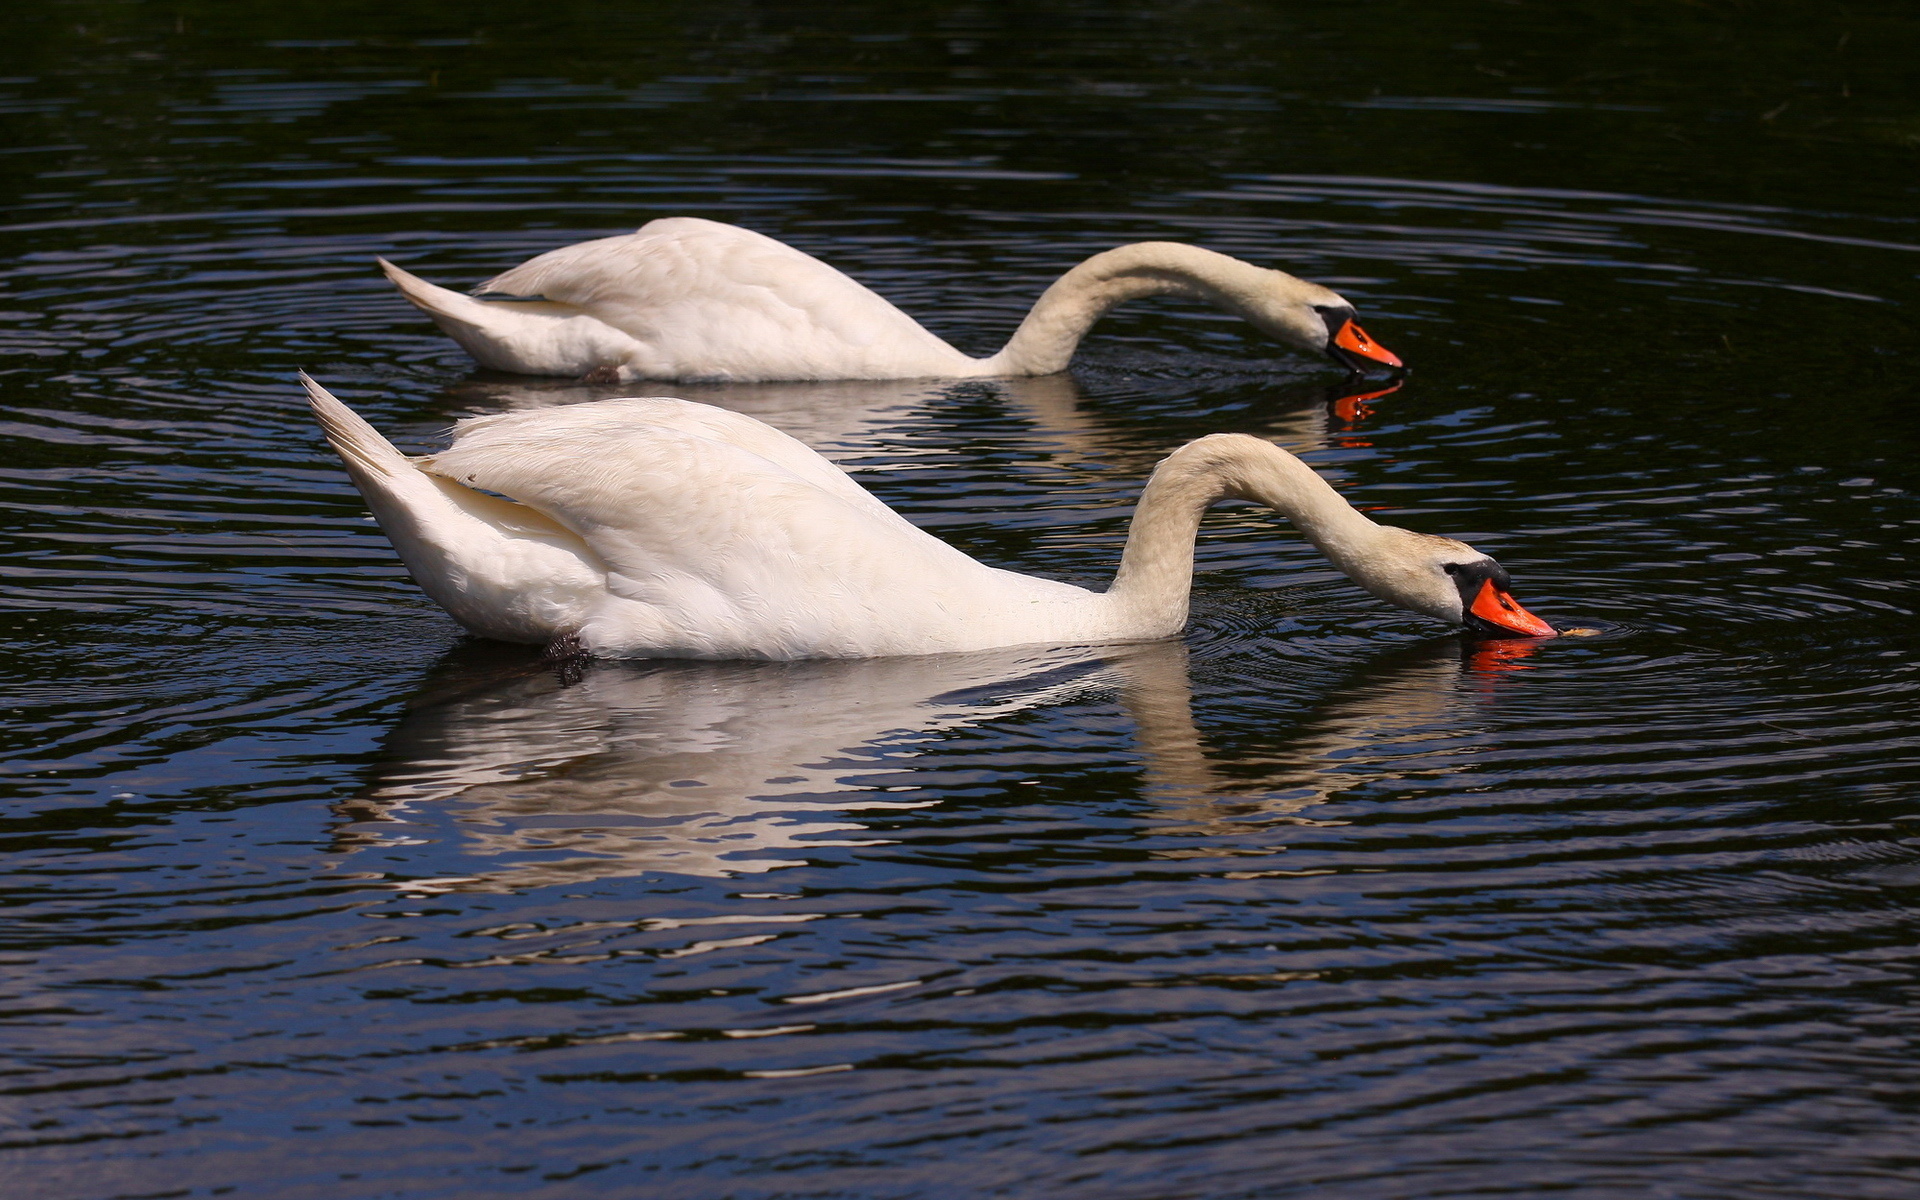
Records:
x=569, y=658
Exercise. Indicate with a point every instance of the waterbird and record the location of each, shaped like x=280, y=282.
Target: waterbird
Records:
x=684, y=298
x=652, y=527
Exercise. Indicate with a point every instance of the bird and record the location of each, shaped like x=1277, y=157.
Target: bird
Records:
x=685, y=298
x=653, y=527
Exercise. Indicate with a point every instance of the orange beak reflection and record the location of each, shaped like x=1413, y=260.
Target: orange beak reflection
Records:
x=1501, y=656
x=1354, y=341
x=1498, y=608
x=1354, y=406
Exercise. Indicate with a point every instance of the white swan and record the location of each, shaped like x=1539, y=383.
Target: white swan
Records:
x=668, y=529
x=691, y=299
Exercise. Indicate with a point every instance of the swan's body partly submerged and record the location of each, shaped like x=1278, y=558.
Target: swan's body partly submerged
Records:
x=667, y=529
x=691, y=299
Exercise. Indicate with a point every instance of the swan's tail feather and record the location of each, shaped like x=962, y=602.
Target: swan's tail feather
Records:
x=503, y=570
x=357, y=443
x=527, y=334
x=492, y=333
x=435, y=301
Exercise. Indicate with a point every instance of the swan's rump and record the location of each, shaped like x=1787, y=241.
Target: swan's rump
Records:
x=501, y=569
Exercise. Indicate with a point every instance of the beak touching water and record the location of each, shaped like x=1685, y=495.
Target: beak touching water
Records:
x=1349, y=345
x=1487, y=607
x=1495, y=612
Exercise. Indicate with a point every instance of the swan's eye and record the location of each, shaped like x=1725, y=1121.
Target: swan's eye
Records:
x=1450, y=568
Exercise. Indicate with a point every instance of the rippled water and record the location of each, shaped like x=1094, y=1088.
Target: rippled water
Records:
x=308, y=895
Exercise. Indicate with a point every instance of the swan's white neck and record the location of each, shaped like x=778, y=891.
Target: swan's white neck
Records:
x=1058, y=320
x=1156, y=571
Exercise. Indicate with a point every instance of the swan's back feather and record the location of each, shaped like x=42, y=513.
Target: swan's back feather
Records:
x=704, y=300
x=500, y=433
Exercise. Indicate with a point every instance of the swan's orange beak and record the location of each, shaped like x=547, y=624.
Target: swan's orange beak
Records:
x=1496, y=607
x=1351, y=346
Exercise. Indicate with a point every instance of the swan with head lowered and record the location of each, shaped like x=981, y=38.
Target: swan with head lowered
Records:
x=690, y=299
x=660, y=528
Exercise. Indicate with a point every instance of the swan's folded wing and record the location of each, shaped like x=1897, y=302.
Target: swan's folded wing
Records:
x=594, y=423
x=717, y=299
x=724, y=546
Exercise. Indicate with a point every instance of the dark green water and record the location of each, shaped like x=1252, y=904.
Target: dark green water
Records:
x=306, y=895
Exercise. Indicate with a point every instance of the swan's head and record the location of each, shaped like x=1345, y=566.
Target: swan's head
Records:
x=1445, y=579
x=1315, y=319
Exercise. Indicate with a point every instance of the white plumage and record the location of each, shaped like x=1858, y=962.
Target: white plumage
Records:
x=663, y=528
x=690, y=299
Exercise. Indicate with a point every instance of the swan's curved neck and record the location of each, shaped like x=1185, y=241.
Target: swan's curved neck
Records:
x=1062, y=315
x=1156, y=571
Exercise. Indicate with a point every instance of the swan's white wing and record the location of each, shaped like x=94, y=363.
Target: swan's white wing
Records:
x=721, y=551
x=595, y=420
x=713, y=301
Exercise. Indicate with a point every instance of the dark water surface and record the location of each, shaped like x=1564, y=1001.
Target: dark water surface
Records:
x=306, y=895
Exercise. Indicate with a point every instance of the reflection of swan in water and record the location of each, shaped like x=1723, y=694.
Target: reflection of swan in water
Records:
x=689, y=767
x=847, y=421
x=865, y=425
x=1411, y=713
x=514, y=779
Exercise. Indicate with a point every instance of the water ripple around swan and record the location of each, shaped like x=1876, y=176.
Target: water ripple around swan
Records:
x=308, y=895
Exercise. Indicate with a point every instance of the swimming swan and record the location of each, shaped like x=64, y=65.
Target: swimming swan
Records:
x=691, y=299
x=659, y=528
